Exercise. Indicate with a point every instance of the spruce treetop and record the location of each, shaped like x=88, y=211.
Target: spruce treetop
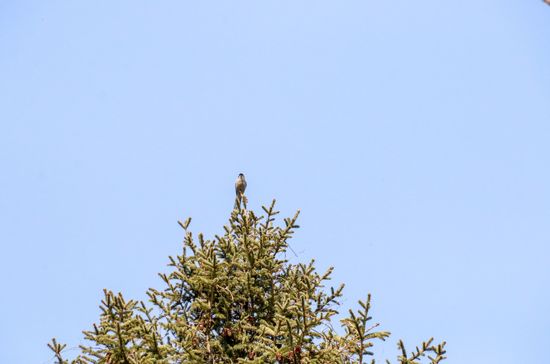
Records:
x=236, y=299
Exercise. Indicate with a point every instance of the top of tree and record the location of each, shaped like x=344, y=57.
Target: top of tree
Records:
x=236, y=299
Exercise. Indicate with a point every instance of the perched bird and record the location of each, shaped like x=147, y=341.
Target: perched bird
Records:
x=240, y=186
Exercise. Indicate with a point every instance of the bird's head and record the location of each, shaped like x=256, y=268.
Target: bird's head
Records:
x=241, y=175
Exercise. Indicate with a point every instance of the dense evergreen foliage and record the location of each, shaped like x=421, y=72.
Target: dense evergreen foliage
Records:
x=236, y=299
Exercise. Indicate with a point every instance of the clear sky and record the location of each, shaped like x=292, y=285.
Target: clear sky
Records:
x=413, y=135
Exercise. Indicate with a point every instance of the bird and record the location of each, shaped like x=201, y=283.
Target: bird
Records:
x=240, y=187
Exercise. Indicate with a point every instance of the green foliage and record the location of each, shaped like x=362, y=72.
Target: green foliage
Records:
x=236, y=299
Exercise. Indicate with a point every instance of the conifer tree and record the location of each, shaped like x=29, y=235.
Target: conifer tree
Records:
x=236, y=299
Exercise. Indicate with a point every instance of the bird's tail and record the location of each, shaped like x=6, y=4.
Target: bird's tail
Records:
x=240, y=199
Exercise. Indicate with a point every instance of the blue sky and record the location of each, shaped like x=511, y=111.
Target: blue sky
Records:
x=413, y=136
